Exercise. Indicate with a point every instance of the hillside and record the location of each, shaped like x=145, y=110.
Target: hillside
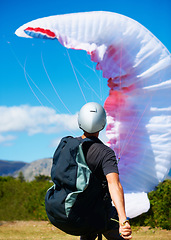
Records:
x=30, y=170
x=41, y=166
x=9, y=167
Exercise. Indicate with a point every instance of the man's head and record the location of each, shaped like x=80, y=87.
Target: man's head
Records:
x=92, y=118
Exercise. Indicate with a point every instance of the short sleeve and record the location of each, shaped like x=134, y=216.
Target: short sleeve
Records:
x=109, y=163
x=101, y=159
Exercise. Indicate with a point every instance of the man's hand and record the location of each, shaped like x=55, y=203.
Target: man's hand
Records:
x=125, y=230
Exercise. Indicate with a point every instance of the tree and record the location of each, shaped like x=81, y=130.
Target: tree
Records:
x=41, y=177
x=21, y=176
x=160, y=200
x=159, y=214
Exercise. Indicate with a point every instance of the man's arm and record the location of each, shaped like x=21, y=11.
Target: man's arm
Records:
x=117, y=195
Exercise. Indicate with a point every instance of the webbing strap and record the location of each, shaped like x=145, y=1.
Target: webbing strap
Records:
x=99, y=236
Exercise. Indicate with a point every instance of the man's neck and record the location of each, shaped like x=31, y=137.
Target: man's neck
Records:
x=86, y=135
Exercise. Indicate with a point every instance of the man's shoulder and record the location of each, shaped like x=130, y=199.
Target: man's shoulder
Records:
x=100, y=146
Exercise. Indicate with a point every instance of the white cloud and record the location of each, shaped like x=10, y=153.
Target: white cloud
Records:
x=55, y=142
x=35, y=120
x=6, y=140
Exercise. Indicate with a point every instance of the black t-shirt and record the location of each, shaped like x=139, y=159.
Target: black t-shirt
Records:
x=100, y=158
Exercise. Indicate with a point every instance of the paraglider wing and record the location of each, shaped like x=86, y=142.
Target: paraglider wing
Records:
x=138, y=69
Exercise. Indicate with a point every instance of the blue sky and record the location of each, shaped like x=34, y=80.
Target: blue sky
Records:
x=27, y=132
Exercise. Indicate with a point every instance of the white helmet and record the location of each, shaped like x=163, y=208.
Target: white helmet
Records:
x=92, y=117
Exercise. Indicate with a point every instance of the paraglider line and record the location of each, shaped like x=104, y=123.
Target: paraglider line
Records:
x=120, y=79
x=100, y=82
x=99, y=78
x=76, y=76
x=53, y=85
x=88, y=84
x=25, y=73
x=95, y=72
x=135, y=127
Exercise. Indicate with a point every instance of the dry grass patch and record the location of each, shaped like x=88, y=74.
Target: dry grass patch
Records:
x=38, y=230
x=31, y=230
x=146, y=233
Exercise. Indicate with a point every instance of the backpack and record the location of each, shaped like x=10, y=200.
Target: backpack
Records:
x=75, y=202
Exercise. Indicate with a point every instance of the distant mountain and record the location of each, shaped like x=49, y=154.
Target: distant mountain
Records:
x=30, y=170
x=9, y=167
x=42, y=167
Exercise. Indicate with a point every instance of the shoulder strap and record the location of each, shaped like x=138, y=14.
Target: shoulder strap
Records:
x=87, y=143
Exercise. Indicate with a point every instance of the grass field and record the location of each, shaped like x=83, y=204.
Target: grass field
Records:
x=37, y=230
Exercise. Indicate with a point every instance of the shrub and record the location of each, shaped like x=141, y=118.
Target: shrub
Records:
x=159, y=214
x=20, y=200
